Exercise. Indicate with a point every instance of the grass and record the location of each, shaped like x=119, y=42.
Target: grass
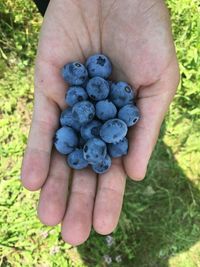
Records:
x=160, y=221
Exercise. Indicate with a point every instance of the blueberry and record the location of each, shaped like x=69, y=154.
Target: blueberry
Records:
x=90, y=130
x=113, y=131
x=97, y=88
x=85, y=83
x=105, y=110
x=103, y=166
x=99, y=65
x=83, y=111
x=75, y=94
x=81, y=142
x=121, y=94
x=76, y=160
x=94, y=150
x=110, y=82
x=65, y=140
x=129, y=114
x=66, y=119
x=74, y=73
x=119, y=149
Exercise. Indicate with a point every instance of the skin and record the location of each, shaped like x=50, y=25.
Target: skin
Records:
x=136, y=35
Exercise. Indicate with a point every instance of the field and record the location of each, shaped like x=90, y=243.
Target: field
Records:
x=160, y=222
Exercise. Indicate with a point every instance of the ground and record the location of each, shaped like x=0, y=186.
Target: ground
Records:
x=160, y=221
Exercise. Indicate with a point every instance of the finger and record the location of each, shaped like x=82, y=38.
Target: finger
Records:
x=109, y=198
x=53, y=196
x=153, y=102
x=45, y=120
x=77, y=222
x=36, y=159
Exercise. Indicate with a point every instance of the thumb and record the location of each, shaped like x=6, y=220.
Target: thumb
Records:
x=153, y=102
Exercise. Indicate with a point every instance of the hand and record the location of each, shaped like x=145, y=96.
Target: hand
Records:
x=136, y=35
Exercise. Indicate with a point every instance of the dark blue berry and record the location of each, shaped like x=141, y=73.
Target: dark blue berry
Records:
x=103, y=166
x=90, y=130
x=75, y=94
x=83, y=111
x=113, y=131
x=76, y=160
x=99, y=65
x=129, y=114
x=66, y=119
x=100, y=111
x=65, y=140
x=105, y=110
x=85, y=83
x=97, y=88
x=121, y=94
x=119, y=149
x=81, y=142
x=94, y=150
x=110, y=82
x=74, y=73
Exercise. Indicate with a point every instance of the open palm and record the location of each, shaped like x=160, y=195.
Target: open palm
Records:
x=136, y=35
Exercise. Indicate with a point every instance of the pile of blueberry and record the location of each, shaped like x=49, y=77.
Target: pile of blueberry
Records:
x=95, y=124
